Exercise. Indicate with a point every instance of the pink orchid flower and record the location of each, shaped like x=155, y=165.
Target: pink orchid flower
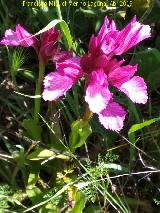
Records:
x=111, y=41
x=13, y=38
x=101, y=70
x=47, y=47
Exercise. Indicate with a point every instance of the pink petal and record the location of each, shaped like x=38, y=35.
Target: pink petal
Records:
x=108, y=46
x=101, y=61
x=25, y=39
x=107, y=36
x=49, y=44
x=93, y=44
x=49, y=50
x=112, y=117
x=106, y=27
x=87, y=62
x=10, y=38
x=97, y=93
x=59, y=82
x=70, y=68
x=60, y=56
x=131, y=35
x=120, y=74
x=109, y=42
x=105, y=40
x=113, y=64
x=91, y=62
x=135, y=89
x=50, y=36
x=55, y=85
x=113, y=25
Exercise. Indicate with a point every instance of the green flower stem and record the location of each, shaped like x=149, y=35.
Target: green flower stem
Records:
x=37, y=102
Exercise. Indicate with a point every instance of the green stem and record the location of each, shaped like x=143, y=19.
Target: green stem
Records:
x=38, y=89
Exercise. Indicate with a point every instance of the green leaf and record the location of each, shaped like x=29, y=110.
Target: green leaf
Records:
x=32, y=129
x=64, y=27
x=27, y=74
x=41, y=153
x=33, y=192
x=80, y=130
x=33, y=177
x=132, y=138
x=139, y=126
x=114, y=167
x=79, y=203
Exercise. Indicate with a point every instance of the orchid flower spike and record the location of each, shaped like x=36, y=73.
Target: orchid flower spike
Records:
x=47, y=47
x=101, y=69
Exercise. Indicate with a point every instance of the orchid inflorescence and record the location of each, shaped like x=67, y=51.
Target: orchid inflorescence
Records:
x=46, y=47
x=99, y=66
